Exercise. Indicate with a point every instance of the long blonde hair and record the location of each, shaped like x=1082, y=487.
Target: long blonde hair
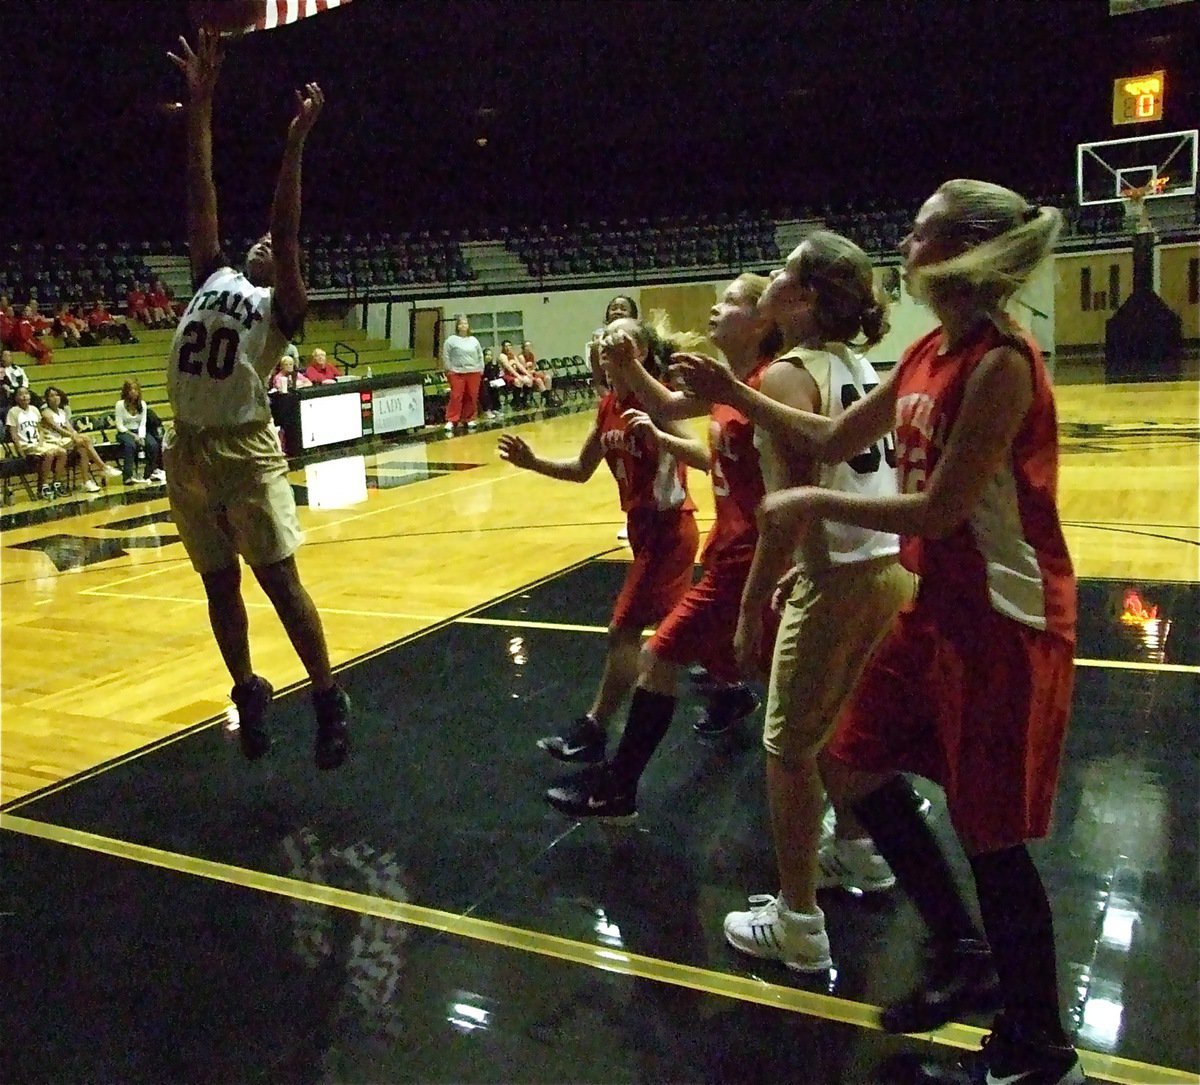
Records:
x=655, y=334
x=1007, y=237
x=848, y=301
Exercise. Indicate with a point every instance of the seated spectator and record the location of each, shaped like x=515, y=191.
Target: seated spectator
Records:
x=59, y=431
x=543, y=379
x=41, y=324
x=24, y=337
x=489, y=390
x=102, y=325
x=515, y=375
x=320, y=368
x=285, y=378
x=24, y=423
x=160, y=301
x=134, y=434
x=12, y=377
x=8, y=322
x=136, y=307
x=68, y=327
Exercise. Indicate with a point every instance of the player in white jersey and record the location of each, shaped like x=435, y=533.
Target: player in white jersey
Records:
x=226, y=473
x=843, y=593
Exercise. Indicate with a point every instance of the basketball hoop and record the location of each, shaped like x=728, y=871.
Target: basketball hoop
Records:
x=1137, y=219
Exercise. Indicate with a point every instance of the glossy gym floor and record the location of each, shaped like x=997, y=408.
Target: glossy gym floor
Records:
x=172, y=913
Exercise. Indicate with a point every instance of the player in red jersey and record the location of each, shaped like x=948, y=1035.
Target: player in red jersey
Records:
x=649, y=463
x=972, y=688
x=701, y=627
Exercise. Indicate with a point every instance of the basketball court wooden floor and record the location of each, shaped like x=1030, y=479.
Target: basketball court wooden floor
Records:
x=171, y=913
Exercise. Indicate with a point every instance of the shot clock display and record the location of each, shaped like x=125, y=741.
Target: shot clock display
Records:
x=1138, y=99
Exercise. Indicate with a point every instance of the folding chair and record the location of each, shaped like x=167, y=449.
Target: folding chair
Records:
x=17, y=467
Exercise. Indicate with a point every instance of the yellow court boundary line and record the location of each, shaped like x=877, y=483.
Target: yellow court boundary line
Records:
x=1130, y=665
x=706, y=981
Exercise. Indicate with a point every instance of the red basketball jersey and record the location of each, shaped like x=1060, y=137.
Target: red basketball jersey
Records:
x=1010, y=553
x=736, y=477
x=647, y=477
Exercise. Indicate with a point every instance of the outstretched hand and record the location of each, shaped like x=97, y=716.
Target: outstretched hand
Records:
x=618, y=350
x=515, y=450
x=640, y=423
x=308, y=109
x=200, y=67
x=704, y=377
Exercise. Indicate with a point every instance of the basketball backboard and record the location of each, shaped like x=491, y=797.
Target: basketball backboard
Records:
x=1163, y=165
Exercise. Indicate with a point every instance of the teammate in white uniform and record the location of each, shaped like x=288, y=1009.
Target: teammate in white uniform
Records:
x=226, y=473
x=845, y=590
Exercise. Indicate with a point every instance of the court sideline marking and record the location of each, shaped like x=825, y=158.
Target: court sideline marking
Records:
x=706, y=981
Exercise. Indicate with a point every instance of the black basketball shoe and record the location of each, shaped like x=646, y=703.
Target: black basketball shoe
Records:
x=583, y=742
x=252, y=701
x=332, y=744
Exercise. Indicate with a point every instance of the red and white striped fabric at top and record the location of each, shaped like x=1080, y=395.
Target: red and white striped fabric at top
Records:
x=281, y=12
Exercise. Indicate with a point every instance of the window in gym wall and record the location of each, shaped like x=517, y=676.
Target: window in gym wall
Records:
x=483, y=327
x=491, y=329
x=1085, y=289
x=511, y=325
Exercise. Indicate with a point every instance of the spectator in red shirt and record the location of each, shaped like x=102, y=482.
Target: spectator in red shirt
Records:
x=68, y=327
x=136, y=307
x=24, y=337
x=159, y=300
x=8, y=323
x=41, y=324
x=101, y=322
x=320, y=368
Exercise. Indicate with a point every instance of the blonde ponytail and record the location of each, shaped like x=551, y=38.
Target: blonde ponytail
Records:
x=1007, y=237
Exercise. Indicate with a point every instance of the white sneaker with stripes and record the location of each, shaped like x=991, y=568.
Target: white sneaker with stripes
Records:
x=853, y=864
x=772, y=932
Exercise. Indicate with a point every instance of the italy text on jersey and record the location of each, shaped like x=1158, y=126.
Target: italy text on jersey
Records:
x=215, y=351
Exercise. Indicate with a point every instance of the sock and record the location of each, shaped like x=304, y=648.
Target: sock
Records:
x=891, y=814
x=1020, y=928
x=649, y=718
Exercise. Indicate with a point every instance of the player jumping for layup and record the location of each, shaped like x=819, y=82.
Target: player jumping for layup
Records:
x=226, y=473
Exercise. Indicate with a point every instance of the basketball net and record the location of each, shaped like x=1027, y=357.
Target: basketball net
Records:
x=1137, y=218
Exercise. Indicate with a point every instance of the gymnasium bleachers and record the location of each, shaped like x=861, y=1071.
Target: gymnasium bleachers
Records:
x=92, y=376
x=354, y=262
x=641, y=244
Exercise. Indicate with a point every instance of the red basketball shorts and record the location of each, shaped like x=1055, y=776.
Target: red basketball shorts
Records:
x=976, y=702
x=701, y=627
x=664, y=554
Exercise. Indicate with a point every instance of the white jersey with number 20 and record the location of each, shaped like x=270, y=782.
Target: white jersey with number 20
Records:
x=224, y=350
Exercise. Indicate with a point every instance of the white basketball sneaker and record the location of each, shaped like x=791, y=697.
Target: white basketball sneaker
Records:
x=772, y=932
x=853, y=864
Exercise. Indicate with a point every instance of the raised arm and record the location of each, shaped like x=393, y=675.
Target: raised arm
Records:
x=200, y=69
x=826, y=440
x=291, y=297
x=620, y=353
x=516, y=450
x=996, y=400
x=671, y=439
